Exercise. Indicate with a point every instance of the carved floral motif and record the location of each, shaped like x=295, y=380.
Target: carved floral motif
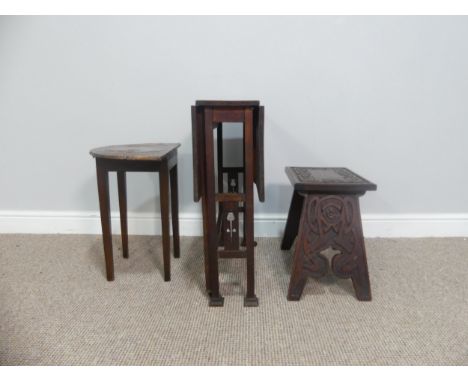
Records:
x=330, y=221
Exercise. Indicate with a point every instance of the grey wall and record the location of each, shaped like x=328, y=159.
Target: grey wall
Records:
x=385, y=96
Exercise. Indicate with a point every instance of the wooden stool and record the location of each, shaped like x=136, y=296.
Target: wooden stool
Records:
x=221, y=232
x=158, y=157
x=325, y=213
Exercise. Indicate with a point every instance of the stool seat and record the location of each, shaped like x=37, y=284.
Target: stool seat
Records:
x=142, y=151
x=328, y=180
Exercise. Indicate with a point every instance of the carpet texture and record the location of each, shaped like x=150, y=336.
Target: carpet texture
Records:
x=56, y=307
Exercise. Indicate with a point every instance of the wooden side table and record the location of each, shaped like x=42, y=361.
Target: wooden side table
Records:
x=221, y=232
x=157, y=157
x=325, y=213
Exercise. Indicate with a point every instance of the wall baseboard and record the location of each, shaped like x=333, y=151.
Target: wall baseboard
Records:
x=266, y=225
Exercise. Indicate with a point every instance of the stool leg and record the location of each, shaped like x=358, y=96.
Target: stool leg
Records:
x=352, y=262
x=298, y=276
x=360, y=279
x=308, y=262
x=360, y=276
x=292, y=224
x=164, y=198
x=175, y=211
x=104, y=206
x=122, y=187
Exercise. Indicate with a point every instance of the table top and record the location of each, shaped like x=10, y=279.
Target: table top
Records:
x=143, y=151
x=328, y=180
x=211, y=103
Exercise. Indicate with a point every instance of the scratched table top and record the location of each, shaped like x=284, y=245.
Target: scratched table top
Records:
x=143, y=151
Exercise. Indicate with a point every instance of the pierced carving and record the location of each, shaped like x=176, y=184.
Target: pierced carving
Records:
x=230, y=225
x=230, y=218
x=330, y=221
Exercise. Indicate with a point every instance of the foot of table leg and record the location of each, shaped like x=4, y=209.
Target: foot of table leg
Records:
x=251, y=301
x=296, y=286
x=360, y=279
x=216, y=301
x=362, y=289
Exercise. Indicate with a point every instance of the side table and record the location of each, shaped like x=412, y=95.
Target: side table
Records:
x=151, y=157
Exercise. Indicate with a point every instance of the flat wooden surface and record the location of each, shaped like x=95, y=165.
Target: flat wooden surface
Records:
x=211, y=103
x=327, y=179
x=144, y=151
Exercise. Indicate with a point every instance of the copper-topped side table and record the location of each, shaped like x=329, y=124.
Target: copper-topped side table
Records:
x=151, y=157
x=325, y=213
x=232, y=192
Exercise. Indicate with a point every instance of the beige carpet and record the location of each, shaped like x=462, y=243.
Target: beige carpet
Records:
x=56, y=308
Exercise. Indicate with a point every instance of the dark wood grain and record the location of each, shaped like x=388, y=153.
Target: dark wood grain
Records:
x=209, y=194
x=259, y=176
x=228, y=115
x=175, y=210
x=196, y=147
x=122, y=189
x=164, y=202
x=104, y=205
x=250, y=298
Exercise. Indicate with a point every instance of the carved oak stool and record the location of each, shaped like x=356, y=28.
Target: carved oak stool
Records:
x=325, y=213
x=157, y=157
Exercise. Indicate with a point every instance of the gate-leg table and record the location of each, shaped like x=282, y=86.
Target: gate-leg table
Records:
x=325, y=213
x=155, y=157
x=221, y=232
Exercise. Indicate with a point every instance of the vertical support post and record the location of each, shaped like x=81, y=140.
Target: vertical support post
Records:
x=122, y=187
x=210, y=212
x=198, y=132
x=219, y=144
x=175, y=210
x=250, y=298
x=164, y=201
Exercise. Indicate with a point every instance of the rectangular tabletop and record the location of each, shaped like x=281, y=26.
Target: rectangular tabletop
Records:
x=328, y=179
